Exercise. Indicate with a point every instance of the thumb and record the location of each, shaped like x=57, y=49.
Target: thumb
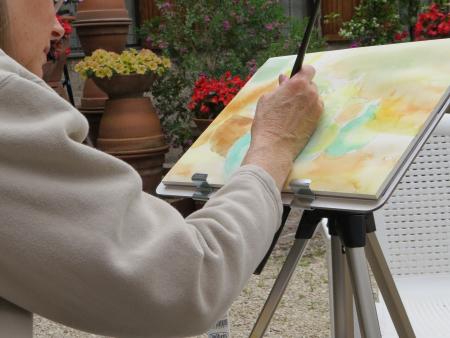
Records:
x=282, y=79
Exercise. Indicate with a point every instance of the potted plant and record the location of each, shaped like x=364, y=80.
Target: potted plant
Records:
x=130, y=128
x=434, y=23
x=99, y=24
x=210, y=96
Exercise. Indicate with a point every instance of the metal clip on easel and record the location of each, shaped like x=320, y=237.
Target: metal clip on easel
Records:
x=353, y=243
x=204, y=190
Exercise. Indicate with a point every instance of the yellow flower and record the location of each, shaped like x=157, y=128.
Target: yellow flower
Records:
x=166, y=63
x=100, y=73
x=105, y=64
x=141, y=69
x=119, y=68
x=153, y=66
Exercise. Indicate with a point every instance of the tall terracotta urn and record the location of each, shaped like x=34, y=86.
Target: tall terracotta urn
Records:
x=102, y=24
x=130, y=128
x=99, y=24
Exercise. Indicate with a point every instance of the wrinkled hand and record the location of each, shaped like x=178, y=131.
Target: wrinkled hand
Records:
x=284, y=121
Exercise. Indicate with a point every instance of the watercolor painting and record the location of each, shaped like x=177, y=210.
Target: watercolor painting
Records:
x=377, y=100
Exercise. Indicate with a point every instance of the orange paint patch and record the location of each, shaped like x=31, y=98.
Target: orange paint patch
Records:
x=204, y=138
x=242, y=100
x=229, y=132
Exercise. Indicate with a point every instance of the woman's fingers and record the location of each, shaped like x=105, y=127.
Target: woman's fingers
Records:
x=282, y=79
x=308, y=72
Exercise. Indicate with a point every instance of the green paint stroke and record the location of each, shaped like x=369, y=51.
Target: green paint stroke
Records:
x=320, y=141
x=350, y=138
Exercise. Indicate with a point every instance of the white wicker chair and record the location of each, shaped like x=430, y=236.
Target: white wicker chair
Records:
x=414, y=231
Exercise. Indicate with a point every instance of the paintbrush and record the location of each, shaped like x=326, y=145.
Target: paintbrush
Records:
x=306, y=38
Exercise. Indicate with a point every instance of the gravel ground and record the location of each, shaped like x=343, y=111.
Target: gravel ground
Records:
x=303, y=311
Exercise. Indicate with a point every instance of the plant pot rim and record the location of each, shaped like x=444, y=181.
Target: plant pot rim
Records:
x=160, y=149
x=123, y=86
x=200, y=119
x=104, y=22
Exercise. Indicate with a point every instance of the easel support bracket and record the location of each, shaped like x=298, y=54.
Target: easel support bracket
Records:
x=204, y=190
x=303, y=195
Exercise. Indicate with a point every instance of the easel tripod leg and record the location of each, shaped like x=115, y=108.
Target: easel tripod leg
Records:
x=365, y=304
x=342, y=292
x=279, y=287
x=387, y=287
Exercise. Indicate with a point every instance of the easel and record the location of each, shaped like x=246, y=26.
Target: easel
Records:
x=353, y=243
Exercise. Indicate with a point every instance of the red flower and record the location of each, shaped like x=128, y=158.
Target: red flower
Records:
x=444, y=28
x=211, y=95
x=432, y=24
x=204, y=109
x=66, y=25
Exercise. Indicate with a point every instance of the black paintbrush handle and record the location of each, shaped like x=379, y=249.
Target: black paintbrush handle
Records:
x=306, y=38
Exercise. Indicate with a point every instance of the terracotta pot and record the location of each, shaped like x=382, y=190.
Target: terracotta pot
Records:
x=94, y=117
x=109, y=35
x=102, y=9
x=130, y=128
x=149, y=166
x=93, y=97
x=125, y=85
x=102, y=24
x=202, y=124
x=53, y=70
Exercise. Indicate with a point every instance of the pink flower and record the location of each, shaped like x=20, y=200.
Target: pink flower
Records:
x=226, y=25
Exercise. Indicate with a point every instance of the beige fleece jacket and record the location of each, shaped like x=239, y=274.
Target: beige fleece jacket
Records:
x=81, y=244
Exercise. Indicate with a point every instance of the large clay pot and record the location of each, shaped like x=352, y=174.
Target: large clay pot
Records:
x=130, y=125
x=108, y=35
x=101, y=9
x=53, y=70
x=100, y=24
x=93, y=97
x=130, y=128
x=52, y=75
x=125, y=85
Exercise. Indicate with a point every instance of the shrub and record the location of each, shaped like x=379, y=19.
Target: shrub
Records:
x=375, y=22
x=210, y=38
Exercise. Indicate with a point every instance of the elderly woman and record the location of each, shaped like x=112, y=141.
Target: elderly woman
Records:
x=83, y=245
